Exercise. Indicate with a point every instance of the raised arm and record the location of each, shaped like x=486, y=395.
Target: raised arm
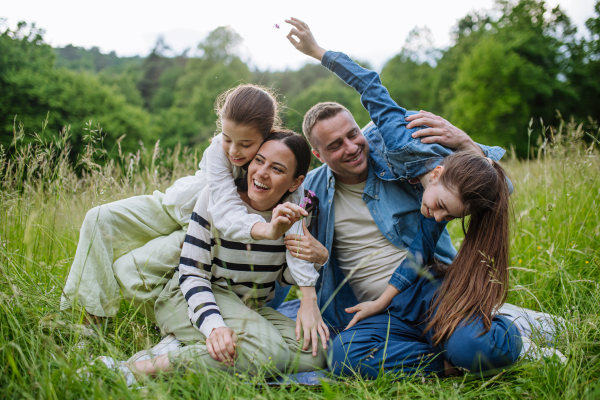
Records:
x=392, y=121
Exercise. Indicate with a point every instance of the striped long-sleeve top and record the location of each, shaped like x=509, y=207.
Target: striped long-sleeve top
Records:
x=249, y=270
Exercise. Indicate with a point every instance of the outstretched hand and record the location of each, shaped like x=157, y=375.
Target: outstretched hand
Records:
x=441, y=131
x=306, y=42
x=284, y=216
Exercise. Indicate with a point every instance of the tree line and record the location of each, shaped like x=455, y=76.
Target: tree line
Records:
x=517, y=62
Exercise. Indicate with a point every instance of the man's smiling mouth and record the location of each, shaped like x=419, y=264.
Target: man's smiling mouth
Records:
x=356, y=158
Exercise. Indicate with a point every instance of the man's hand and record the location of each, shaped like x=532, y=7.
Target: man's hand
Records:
x=310, y=321
x=284, y=216
x=442, y=132
x=221, y=344
x=306, y=247
x=306, y=42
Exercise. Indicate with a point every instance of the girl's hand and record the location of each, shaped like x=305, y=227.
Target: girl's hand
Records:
x=364, y=310
x=221, y=344
x=306, y=247
x=369, y=308
x=310, y=321
x=306, y=42
x=284, y=216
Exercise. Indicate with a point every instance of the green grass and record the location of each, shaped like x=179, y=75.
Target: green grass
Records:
x=44, y=196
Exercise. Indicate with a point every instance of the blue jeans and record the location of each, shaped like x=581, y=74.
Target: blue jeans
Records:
x=395, y=341
x=367, y=347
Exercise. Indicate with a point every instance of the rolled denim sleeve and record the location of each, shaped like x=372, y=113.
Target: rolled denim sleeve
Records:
x=420, y=252
x=409, y=157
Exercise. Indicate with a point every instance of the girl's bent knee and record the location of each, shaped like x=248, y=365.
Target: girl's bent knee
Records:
x=498, y=348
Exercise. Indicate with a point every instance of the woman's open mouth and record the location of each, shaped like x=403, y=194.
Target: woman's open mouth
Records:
x=237, y=160
x=429, y=212
x=259, y=187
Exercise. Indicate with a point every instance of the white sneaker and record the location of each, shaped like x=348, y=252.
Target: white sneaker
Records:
x=119, y=366
x=532, y=352
x=164, y=346
x=533, y=323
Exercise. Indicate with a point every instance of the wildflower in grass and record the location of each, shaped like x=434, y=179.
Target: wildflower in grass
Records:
x=587, y=262
x=539, y=247
x=520, y=261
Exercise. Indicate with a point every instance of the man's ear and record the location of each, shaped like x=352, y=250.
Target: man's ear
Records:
x=297, y=182
x=316, y=154
x=436, y=173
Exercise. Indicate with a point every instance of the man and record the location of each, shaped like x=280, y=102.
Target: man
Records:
x=369, y=214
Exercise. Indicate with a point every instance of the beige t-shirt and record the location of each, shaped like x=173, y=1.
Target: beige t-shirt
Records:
x=356, y=236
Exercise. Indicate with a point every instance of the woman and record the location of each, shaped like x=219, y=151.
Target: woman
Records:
x=222, y=286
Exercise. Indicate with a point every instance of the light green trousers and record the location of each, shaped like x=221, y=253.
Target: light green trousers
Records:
x=265, y=337
x=130, y=246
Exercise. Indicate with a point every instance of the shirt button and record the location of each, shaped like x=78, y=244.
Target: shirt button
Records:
x=329, y=201
x=382, y=174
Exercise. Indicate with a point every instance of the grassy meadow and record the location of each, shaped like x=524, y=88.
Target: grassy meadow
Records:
x=45, y=194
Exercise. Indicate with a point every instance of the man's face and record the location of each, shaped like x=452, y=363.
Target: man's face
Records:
x=340, y=144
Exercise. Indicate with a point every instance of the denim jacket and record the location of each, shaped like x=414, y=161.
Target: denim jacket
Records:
x=394, y=203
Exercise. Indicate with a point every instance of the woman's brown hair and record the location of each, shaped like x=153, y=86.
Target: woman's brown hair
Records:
x=249, y=105
x=476, y=283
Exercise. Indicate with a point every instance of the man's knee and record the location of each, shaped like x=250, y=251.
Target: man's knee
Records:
x=498, y=348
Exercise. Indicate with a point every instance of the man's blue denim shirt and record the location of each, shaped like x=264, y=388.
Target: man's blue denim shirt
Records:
x=394, y=203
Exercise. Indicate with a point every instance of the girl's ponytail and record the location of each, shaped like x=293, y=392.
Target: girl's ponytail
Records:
x=476, y=283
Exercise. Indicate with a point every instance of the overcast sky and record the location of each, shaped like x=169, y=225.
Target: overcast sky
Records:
x=372, y=30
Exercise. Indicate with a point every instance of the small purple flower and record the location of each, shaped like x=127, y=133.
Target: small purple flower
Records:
x=276, y=26
x=302, y=203
x=308, y=201
x=311, y=193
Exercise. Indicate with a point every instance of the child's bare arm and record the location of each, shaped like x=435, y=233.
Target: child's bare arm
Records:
x=370, y=308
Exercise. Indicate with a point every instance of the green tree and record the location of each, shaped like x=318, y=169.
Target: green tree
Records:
x=33, y=90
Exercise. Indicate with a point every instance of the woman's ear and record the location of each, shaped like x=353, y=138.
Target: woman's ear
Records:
x=297, y=182
x=436, y=174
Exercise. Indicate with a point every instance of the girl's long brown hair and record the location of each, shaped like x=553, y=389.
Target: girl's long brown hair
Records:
x=476, y=283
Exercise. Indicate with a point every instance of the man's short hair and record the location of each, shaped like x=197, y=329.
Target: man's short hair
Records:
x=320, y=112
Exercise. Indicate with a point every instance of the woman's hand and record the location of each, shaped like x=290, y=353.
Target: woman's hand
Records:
x=221, y=344
x=284, y=216
x=310, y=321
x=306, y=42
x=306, y=247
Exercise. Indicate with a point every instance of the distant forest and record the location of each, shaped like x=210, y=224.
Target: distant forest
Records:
x=523, y=61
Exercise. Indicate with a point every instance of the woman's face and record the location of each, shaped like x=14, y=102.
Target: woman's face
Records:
x=240, y=142
x=271, y=175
